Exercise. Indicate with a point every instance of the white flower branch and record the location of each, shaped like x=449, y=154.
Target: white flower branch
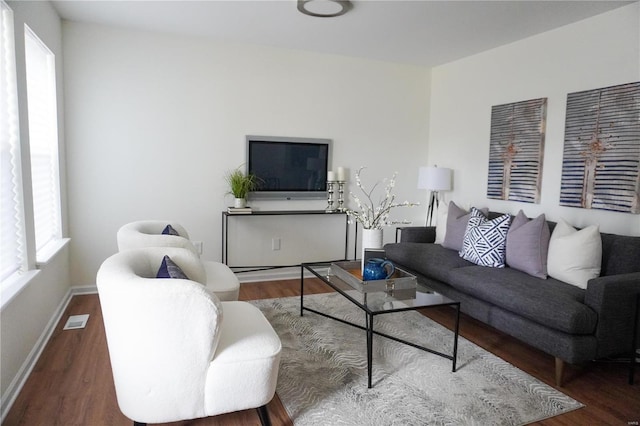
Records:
x=372, y=215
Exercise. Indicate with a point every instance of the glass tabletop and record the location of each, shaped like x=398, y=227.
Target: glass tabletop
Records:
x=391, y=300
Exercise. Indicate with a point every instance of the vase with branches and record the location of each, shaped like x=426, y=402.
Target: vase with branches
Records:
x=373, y=213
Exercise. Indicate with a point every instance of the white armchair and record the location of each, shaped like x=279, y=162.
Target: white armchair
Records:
x=148, y=233
x=176, y=351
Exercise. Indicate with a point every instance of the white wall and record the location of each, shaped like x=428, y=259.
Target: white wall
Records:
x=25, y=319
x=154, y=121
x=597, y=52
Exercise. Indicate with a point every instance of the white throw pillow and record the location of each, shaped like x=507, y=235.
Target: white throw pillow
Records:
x=574, y=256
x=441, y=221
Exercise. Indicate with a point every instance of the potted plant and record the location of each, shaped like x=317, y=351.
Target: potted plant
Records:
x=240, y=184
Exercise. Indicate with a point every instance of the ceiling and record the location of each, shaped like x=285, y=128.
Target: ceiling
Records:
x=424, y=33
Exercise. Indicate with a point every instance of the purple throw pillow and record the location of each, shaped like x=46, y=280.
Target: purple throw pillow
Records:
x=457, y=220
x=528, y=245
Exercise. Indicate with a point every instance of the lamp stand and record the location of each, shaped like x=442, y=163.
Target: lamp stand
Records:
x=433, y=205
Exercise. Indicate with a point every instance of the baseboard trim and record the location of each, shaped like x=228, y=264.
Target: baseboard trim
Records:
x=268, y=275
x=271, y=275
x=88, y=289
x=13, y=390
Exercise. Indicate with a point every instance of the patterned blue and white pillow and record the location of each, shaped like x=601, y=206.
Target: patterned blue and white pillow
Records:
x=485, y=240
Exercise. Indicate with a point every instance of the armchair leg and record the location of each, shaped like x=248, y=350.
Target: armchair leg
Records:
x=263, y=413
x=559, y=371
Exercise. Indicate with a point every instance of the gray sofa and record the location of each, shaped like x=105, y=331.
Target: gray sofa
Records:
x=572, y=324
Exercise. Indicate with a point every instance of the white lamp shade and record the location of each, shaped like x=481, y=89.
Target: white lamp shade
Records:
x=434, y=178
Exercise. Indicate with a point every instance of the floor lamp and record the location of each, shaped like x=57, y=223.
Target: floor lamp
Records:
x=434, y=179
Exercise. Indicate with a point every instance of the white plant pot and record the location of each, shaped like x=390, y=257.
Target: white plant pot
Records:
x=239, y=203
x=371, y=238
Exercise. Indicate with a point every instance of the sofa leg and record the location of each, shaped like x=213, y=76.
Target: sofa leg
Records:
x=263, y=413
x=559, y=371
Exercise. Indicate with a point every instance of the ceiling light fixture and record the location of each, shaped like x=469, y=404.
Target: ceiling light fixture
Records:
x=324, y=8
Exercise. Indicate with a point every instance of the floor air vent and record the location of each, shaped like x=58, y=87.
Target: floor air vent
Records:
x=76, y=321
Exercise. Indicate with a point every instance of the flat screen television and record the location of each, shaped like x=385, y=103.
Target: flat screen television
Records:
x=289, y=168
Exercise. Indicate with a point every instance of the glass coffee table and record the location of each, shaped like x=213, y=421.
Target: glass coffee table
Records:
x=379, y=298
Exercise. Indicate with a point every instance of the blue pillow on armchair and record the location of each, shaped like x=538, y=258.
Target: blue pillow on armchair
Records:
x=169, y=230
x=168, y=269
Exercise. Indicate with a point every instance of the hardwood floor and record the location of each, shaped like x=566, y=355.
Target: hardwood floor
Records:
x=71, y=383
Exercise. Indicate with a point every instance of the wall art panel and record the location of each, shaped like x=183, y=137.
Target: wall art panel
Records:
x=516, y=150
x=601, y=160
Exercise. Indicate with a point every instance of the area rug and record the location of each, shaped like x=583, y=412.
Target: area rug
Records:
x=323, y=372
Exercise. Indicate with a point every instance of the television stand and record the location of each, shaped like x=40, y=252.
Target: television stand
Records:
x=257, y=213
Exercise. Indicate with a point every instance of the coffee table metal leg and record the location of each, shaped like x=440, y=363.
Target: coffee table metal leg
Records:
x=301, y=290
x=455, y=341
x=369, y=346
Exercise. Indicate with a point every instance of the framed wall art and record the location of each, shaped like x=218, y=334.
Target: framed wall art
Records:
x=516, y=150
x=601, y=159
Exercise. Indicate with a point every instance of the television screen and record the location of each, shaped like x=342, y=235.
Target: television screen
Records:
x=288, y=168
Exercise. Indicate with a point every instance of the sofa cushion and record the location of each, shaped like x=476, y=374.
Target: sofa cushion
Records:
x=485, y=240
x=574, y=256
x=430, y=260
x=549, y=302
x=457, y=220
x=528, y=245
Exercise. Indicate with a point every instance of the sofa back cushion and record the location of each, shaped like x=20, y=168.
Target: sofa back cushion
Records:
x=620, y=254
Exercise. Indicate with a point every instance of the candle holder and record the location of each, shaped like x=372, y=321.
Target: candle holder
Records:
x=341, y=207
x=330, y=208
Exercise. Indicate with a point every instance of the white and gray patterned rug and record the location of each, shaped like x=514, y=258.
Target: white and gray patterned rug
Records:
x=323, y=372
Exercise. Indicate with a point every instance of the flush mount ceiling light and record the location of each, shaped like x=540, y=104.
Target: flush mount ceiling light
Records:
x=324, y=8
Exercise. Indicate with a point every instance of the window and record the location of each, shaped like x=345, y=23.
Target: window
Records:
x=20, y=250
x=11, y=253
x=43, y=139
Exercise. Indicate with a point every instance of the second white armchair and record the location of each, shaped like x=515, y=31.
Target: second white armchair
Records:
x=148, y=233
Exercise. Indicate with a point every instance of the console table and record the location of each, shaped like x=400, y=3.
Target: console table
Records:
x=257, y=213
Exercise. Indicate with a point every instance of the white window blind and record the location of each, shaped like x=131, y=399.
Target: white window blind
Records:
x=11, y=253
x=43, y=139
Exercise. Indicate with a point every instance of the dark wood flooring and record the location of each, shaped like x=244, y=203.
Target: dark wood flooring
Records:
x=71, y=383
